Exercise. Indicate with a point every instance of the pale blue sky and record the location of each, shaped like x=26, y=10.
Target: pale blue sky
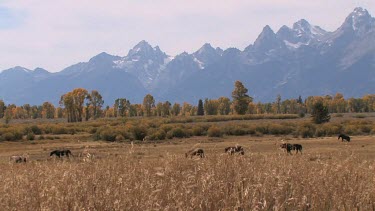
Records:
x=56, y=34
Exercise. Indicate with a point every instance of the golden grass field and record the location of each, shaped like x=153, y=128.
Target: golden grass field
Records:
x=329, y=175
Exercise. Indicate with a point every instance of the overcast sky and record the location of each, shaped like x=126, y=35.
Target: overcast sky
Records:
x=58, y=33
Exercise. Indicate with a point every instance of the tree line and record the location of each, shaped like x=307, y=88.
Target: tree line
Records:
x=80, y=104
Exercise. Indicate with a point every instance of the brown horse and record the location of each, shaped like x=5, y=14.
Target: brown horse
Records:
x=233, y=150
x=195, y=152
x=18, y=159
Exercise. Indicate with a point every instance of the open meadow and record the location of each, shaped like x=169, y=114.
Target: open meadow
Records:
x=129, y=174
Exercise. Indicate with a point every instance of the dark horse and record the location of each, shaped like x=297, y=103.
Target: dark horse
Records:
x=288, y=147
x=236, y=149
x=195, y=152
x=298, y=148
x=60, y=153
x=344, y=137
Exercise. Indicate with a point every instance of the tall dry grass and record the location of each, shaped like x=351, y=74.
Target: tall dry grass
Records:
x=339, y=181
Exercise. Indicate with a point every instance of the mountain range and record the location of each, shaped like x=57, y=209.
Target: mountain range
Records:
x=302, y=60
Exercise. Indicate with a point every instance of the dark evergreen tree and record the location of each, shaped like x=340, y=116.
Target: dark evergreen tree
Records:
x=299, y=100
x=320, y=113
x=200, y=111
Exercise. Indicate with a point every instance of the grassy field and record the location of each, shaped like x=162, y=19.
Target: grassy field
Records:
x=155, y=175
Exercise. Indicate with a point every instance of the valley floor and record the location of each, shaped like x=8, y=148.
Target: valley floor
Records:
x=363, y=146
x=329, y=175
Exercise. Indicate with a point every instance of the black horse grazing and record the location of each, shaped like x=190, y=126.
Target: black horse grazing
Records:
x=344, y=137
x=60, y=153
x=288, y=147
x=236, y=149
x=297, y=147
x=195, y=152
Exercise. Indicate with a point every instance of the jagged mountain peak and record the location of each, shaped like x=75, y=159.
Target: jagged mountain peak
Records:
x=304, y=27
x=266, y=41
x=284, y=28
x=266, y=35
x=359, y=21
x=207, y=55
x=301, y=24
x=142, y=45
x=143, y=50
x=302, y=33
x=359, y=11
x=207, y=47
x=267, y=31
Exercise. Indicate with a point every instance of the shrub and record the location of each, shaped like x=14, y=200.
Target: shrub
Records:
x=139, y=132
x=119, y=138
x=214, y=131
x=159, y=135
x=351, y=130
x=198, y=130
x=8, y=136
x=11, y=135
x=279, y=129
x=93, y=130
x=320, y=132
x=262, y=129
x=58, y=130
x=237, y=130
x=365, y=128
x=30, y=136
x=179, y=133
x=36, y=130
x=166, y=128
x=108, y=135
x=306, y=130
x=331, y=129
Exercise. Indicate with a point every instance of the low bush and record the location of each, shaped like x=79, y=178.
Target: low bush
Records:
x=108, y=135
x=139, y=132
x=198, y=130
x=178, y=132
x=35, y=130
x=30, y=137
x=306, y=130
x=158, y=135
x=214, y=131
x=11, y=135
